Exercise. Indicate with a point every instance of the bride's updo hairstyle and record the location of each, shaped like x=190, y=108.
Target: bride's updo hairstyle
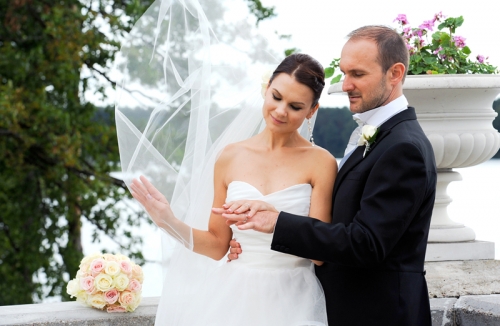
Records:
x=306, y=70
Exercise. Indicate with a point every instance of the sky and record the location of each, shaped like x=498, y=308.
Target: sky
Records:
x=319, y=27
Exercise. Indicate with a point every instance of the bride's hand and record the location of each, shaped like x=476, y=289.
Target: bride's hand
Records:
x=153, y=201
x=250, y=207
x=249, y=214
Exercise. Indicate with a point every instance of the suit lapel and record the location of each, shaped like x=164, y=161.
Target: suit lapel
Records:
x=357, y=156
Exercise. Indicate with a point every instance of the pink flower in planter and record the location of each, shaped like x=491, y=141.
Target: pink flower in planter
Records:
x=401, y=18
x=428, y=24
x=459, y=41
x=439, y=16
x=481, y=58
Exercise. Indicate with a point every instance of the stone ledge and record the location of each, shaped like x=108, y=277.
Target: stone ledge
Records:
x=479, y=310
x=75, y=314
x=468, y=250
x=448, y=279
x=442, y=312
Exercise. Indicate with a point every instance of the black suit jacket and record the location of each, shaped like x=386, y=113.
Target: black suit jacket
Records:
x=374, y=249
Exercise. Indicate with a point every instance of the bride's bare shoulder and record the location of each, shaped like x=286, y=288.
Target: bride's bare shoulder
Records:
x=322, y=156
x=232, y=150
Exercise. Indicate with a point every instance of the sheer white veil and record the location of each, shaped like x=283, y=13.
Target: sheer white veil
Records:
x=189, y=86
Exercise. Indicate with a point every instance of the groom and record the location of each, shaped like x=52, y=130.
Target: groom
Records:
x=383, y=197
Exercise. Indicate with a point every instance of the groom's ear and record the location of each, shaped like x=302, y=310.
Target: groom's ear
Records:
x=396, y=73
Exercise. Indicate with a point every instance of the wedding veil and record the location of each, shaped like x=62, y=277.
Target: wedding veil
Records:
x=190, y=83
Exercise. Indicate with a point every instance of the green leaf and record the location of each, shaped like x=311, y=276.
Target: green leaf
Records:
x=329, y=72
x=335, y=79
x=466, y=50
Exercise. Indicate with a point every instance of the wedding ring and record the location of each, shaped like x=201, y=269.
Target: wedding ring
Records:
x=246, y=219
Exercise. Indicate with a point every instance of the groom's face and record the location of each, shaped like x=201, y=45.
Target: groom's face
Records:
x=364, y=81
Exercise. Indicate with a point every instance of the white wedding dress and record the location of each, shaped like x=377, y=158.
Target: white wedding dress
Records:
x=262, y=287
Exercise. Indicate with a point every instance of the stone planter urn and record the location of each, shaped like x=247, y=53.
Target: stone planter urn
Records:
x=455, y=112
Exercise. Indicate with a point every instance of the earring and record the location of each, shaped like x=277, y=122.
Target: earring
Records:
x=311, y=138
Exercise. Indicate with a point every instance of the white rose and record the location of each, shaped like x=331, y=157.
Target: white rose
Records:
x=103, y=282
x=112, y=268
x=121, y=282
x=73, y=287
x=96, y=300
x=367, y=132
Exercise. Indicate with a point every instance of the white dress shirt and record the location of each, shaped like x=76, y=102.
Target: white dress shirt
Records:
x=375, y=117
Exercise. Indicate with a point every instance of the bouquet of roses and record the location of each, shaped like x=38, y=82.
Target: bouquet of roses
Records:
x=106, y=281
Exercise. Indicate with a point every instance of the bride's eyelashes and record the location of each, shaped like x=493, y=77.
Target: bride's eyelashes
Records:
x=293, y=107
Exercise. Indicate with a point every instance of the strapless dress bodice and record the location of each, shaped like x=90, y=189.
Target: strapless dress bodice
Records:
x=256, y=246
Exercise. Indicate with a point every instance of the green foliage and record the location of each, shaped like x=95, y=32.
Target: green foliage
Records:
x=291, y=51
x=331, y=69
x=57, y=151
x=260, y=11
x=445, y=53
x=333, y=129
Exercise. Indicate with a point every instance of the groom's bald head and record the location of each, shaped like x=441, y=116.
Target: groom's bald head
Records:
x=391, y=46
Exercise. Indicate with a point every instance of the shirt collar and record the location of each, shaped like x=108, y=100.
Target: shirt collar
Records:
x=376, y=117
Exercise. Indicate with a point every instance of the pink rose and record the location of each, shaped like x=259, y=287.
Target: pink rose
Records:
x=97, y=266
x=127, y=298
x=111, y=296
x=137, y=273
x=134, y=286
x=126, y=267
x=116, y=308
x=87, y=284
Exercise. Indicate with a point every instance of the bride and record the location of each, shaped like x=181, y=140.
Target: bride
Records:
x=282, y=168
x=203, y=141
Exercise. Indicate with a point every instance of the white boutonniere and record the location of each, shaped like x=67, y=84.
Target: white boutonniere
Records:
x=367, y=138
x=265, y=82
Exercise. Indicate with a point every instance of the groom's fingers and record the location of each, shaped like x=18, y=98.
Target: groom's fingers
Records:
x=246, y=226
x=236, y=219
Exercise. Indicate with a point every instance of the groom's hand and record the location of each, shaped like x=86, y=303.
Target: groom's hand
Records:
x=249, y=214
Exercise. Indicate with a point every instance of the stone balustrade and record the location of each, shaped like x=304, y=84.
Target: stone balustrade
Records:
x=473, y=310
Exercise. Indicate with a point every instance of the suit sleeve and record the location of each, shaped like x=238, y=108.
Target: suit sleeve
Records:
x=393, y=193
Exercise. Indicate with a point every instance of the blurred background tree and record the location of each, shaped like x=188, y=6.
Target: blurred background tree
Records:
x=58, y=149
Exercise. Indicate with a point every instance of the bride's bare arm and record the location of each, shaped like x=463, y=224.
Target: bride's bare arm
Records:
x=323, y=178
x=213, y=243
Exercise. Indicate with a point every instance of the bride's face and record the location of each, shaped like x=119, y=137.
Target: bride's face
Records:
x=287, y=103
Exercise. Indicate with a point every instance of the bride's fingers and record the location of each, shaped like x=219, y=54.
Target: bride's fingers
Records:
x=239, y=207
x=151, y=189
x=139, y=188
